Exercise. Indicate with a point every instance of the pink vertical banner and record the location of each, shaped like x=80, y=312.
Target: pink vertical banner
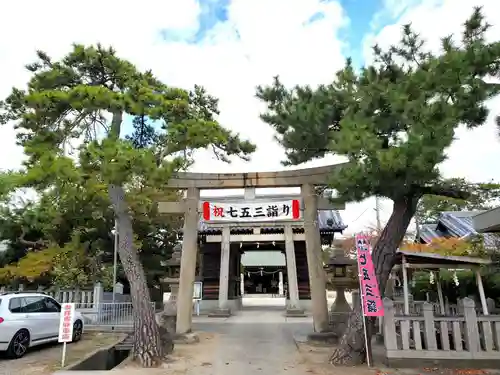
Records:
x=370, y=292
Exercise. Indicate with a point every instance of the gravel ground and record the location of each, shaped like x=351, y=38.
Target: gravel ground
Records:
x=45, y=359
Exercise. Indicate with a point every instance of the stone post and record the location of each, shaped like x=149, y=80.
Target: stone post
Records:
x=314, y=259
x=339, y=312
x=472, y=339
x=188, y=262
x=429, y=326
x=293, y=307
x=242, y=284
x=224, y=268
x=119, y=288
x=390, y=335
x=490, y=302
x=98, y=294
x=356, y=299
x=168, y=318
x=280, y=283
x=223, y=309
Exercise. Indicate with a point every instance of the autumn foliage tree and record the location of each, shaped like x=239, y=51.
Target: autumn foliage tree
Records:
x=392, y=121
x=451, y=246
x=81, y=101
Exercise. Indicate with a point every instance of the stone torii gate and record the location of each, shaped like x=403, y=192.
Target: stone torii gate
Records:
x=306, y=179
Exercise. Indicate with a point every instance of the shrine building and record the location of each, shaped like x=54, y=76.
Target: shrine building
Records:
x=263, y=237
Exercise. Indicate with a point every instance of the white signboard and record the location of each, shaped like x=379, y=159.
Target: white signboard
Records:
x=66, y=322
x=251, y=211
x=198, y=290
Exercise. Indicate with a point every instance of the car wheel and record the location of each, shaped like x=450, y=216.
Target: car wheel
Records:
x=19, y=344
x=77, y=330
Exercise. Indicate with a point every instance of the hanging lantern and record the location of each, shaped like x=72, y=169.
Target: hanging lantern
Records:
x=431, y=278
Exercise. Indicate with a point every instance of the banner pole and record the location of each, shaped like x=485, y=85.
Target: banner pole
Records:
x=365, y=330
x=368, y=286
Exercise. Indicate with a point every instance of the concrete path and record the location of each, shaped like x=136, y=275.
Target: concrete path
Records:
x=257, y=340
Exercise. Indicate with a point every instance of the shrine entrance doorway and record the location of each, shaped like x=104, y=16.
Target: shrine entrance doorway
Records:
x=264, y=277
x=263, y=273
x=217, y=231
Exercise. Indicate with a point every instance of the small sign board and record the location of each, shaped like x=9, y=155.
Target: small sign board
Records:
x=66, y=322
x=198, y=291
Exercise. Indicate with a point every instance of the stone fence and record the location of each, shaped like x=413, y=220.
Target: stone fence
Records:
x=466, y=336
x=416, y=308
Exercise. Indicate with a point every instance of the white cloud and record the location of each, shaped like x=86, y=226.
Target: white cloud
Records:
x=474, y=153
x=133, y=28
x=261, y=38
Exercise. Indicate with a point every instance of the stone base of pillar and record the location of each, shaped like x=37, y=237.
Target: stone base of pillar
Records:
x=220, y=313
x=296, y=312
x=323, y=338
x=186, y=338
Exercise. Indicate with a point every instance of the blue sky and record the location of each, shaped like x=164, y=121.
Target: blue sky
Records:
x=361, y=13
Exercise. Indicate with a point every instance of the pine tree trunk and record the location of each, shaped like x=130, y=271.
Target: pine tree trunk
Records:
x=351, y=350
x=149, y=348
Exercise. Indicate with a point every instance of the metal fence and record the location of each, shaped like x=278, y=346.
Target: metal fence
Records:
x=108, y=314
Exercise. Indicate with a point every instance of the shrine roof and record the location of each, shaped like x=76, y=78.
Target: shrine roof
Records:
x=437, y=260
x=455, y=224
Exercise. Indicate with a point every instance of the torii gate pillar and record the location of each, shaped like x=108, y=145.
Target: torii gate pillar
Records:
x=314, y=259
x=188, y=261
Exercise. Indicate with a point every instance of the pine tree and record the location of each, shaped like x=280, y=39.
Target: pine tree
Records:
x=87, y=93
x=392, y=121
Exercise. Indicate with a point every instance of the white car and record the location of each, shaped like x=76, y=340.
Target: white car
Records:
x=30, y=319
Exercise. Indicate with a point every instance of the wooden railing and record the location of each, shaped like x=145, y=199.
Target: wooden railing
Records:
x=469, y=336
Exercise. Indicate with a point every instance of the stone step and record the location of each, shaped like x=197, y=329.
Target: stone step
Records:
x=127, y=343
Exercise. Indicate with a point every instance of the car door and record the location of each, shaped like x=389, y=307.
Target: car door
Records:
x=21, y=319
x=53, y=313
x=39, y=320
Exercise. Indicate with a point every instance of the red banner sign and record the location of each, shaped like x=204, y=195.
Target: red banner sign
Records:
x=251, y=211
x=370, y=292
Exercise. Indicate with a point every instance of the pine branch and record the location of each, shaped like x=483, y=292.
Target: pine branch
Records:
x=444, y=191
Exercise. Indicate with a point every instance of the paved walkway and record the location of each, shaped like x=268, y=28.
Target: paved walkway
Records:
x=257, y=340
